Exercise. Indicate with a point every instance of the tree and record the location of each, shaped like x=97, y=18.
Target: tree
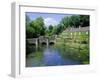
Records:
x=50, y=30
x=54, y=31
x=65, y=22
x=59, y=29
x=38, y=27
x=84, y=20
x=29, y=32
x=75, y=21
x=69, y=21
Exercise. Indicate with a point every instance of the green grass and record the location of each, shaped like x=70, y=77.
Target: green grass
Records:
x=74, y=46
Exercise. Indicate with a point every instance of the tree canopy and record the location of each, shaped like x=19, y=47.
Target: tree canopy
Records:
x=36, y=28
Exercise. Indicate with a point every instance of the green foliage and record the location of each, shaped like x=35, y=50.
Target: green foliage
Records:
x=29, y=32
x=75, y=21
x=75, y=50
x=65, y=22
x=35, y=28
x=69, y=21
x=84, y=20
x=50, y=30
x=59, y=29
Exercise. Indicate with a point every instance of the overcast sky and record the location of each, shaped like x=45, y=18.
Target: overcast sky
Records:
x=49, y=18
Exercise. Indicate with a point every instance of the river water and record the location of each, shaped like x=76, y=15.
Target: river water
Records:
x=49, y=56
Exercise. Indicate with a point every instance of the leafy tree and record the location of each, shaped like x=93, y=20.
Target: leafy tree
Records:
x=50, y=30
x=84, y=20
x=75, y=21
x=38, y=27
x=65, y=22
x=29, y=32
x=54, y=31
x=59, y=29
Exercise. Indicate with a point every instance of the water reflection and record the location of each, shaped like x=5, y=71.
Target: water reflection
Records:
x=50, y=56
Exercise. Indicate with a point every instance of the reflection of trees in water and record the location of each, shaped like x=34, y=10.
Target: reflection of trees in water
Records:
x=78, y=54
x=67, y=51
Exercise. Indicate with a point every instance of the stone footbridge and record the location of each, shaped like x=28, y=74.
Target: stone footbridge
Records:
x=42, y=40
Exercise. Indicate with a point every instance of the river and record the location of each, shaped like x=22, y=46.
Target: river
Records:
x=50, y=56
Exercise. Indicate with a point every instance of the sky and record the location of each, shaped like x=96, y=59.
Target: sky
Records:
x=49, y=18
